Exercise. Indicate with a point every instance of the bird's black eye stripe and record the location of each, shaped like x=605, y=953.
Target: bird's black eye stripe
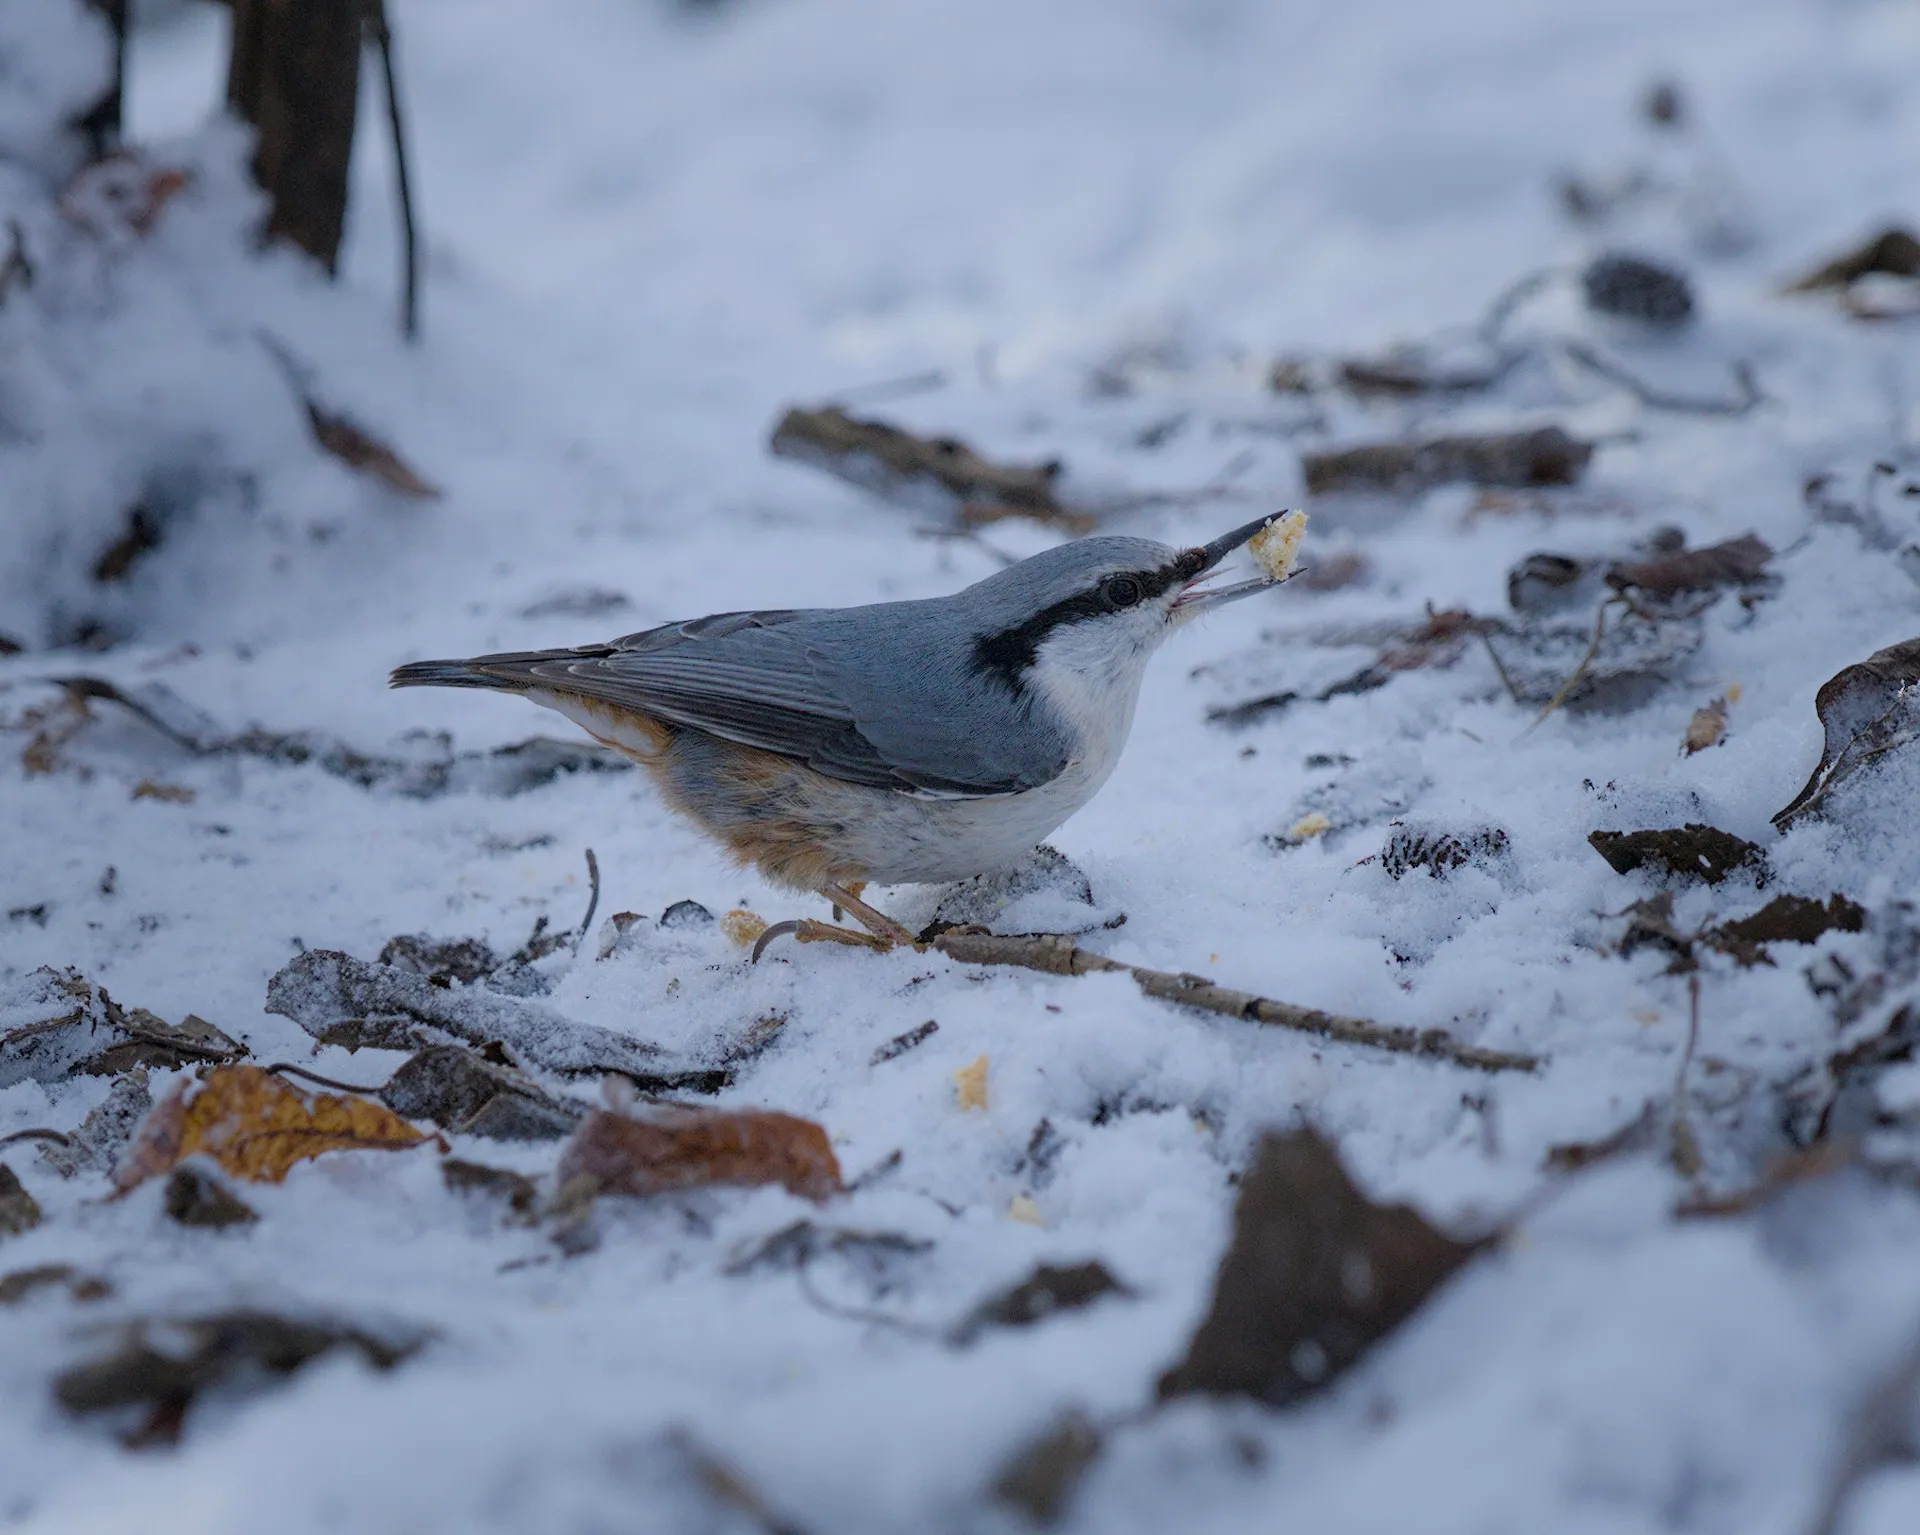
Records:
x=1007, y=654
x=1123, y=591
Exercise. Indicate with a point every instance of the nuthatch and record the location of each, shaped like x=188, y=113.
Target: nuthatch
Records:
x=898, y=743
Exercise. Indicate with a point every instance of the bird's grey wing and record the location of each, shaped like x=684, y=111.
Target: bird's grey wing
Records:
x=758, y=679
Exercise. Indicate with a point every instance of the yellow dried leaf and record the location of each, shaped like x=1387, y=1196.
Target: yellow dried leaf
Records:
x=166, y=793
x=256, y=1126
x=743, y=927
x=970, y=1085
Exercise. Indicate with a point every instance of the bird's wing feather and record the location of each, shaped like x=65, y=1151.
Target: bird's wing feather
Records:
x=780, y=681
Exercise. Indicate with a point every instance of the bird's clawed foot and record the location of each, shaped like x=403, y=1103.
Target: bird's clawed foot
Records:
x=882, y=934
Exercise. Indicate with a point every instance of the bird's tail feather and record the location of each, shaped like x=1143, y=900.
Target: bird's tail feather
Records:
x=449, y=674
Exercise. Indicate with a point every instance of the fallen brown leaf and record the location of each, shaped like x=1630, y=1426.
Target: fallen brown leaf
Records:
x=1894, y=252
x=18, y=1210
x=1315, y=1275
x=1518, y=460
x=1693, y=851
x=675, y=1147
x=256, y=1126
x=1737, y=562
x=166, y=793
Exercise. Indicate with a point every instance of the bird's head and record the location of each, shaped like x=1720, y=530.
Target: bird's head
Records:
x=1098, y=604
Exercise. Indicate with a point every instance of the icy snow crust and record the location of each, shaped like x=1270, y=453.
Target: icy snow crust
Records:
x=648, y=232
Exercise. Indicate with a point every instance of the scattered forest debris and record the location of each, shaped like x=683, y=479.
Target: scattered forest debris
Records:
x=441, y=960
x=340, y=1000
x=462, y=1091
x=517, y=1189
x=898, y=466
x=900, y=1044
x=256, y=1126
x=1057, y=954
x=1543, y=456
x=108, y=1127
x=1707, y=727
x=1635, y=1135
x=1408, y=372
x=1866, y=711
x=22, y=1283
x=1806, y=1164
x=1432, y=643
x=56, y=1023
x=18, y=1210
x=985, y=898
x=163, y=1363
x=1693, y=851
x=430, y=768
x=795, y=1246
x=970, y=1085
x=194, y=1197
x=343, y=437
x=1785, y=919
x=1633, y=288
x=1894, y=252
x=1315, y=1275
x=1039, y=1479
x=1409, y=848
x=1047, y=1290
x=672, y=1147
x=1745, y=397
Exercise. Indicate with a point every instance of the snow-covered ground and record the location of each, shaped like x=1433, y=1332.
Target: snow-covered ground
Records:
x=650, y=228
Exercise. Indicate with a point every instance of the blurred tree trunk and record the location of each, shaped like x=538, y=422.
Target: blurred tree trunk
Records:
x=294, y=73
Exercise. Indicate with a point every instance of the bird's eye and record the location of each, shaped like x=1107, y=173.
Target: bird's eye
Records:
x=1124, y=591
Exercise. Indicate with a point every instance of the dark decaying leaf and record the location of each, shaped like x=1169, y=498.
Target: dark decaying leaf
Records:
x=21, y=1284
x=1790, y=919
x=1044, y=1292
x=1559, y=660
x=1637, y=1134
x=1038, y=1479
x=461, y=1091
x=517, y=1189
x=1866, y=711
x=345, y=1001
x=18, y=1211
x=1315, y=1275
x=675, y=1147
x=1737, y=562
x=1434, y=642
x=1635, y=288
x=56, y=1023
x=1439, y=852
x=194, y=1197
x=1693, y=851
x=1837, y=1100
x=1516, y=460
x=164, y=1363
x=897, y=465
x=1411, y=372
x=900, y=1044
x=1894, y=252
x=108, y=1127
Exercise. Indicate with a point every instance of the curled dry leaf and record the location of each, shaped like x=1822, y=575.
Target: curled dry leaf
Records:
x=359, y=449
x=256, y=1126
x=1866, y=711
x=1894, y=252
x=1044, y=1292
x=674, y=1147
x=1315, y=1274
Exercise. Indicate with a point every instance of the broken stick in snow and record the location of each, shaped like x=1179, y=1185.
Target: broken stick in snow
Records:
x=1057, y=954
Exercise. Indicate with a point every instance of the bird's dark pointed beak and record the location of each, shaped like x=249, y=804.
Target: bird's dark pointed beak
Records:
x=1195, y=599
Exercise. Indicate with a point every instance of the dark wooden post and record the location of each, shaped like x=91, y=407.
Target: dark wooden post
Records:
x=294, y=73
